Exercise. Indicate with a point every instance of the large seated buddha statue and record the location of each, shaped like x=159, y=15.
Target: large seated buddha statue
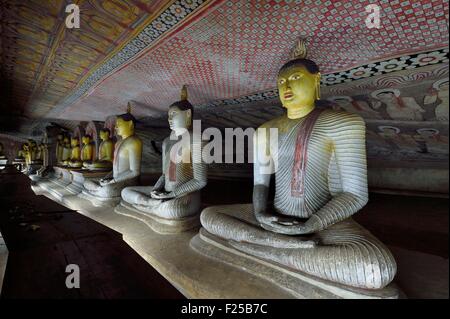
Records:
x=75, y=153
x=105, y=153
x=176, y=194
x=126, y=165
x=320, y=182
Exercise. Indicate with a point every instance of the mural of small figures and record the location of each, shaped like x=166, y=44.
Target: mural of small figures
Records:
x=432, y=141
x=398, y=108
x=376, y=145
x=439, y=92
x=360, y=107
x=399, y=142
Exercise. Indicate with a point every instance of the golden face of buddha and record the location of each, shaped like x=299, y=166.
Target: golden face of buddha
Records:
x=104, y=136
x=124, y=128
x=85, y=140
x=179, y=119
x=297, y=87
x=74, y=142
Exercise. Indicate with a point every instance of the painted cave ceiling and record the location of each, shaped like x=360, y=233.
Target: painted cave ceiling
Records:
x=228, y=53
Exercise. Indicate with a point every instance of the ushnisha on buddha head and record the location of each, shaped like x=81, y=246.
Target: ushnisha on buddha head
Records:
x=180, y=114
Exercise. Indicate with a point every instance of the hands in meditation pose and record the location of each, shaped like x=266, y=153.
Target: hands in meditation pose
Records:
x=127, y=161
x=176, y=194
x=320, y=181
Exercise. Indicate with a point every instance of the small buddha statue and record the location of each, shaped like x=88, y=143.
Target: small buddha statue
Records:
x=320, y=181
x=75, y=154
x=176, y=194
x=19, y=160
x=21, y=154
x=87, y=151
x=31, y=152
x=126, y=164
x=105, y=153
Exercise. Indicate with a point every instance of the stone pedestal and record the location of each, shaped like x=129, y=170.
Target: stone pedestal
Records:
x=299, y=284
x=158, y=224
x=57, y=183
x=3, y=163
x=80, y=175
x=62, y=175
x=100, y=201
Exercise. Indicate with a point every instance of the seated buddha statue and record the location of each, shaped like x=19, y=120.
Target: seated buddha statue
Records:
x=31, y=152
x=320, y=170
x=75, y=153
x=105, y=153
x=176, y=194
x=19, y=160
x=65, y=152
x=87, y=151
x=126, y=164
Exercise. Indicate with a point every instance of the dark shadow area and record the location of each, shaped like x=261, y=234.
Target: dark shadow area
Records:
x=43, y=237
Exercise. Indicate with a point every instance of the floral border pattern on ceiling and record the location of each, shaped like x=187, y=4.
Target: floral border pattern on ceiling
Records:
x=406, y=62
x=173, y=15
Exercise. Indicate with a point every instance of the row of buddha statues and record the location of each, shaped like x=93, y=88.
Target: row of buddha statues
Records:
x=321, y=181
x=69, y=152
x=30, y=156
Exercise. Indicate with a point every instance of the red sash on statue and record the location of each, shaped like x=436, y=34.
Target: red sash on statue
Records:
x=301, y=153
x=172, y=171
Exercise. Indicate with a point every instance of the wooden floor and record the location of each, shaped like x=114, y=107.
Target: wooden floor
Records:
x=414, y=228
x=43, y=237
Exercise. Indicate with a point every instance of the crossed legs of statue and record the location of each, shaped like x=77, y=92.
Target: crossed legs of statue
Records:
x=178, y=207
x=109, y=190
x=345, y=253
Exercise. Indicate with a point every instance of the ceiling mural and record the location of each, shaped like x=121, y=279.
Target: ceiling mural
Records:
x=232, y=49
x=229, y=53
x=46, y=61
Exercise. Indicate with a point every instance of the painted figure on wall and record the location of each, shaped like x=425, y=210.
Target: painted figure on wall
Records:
x=439, y=92
x=399, y=142
x=434, y=142
x=398, y=108
x=347, y=103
